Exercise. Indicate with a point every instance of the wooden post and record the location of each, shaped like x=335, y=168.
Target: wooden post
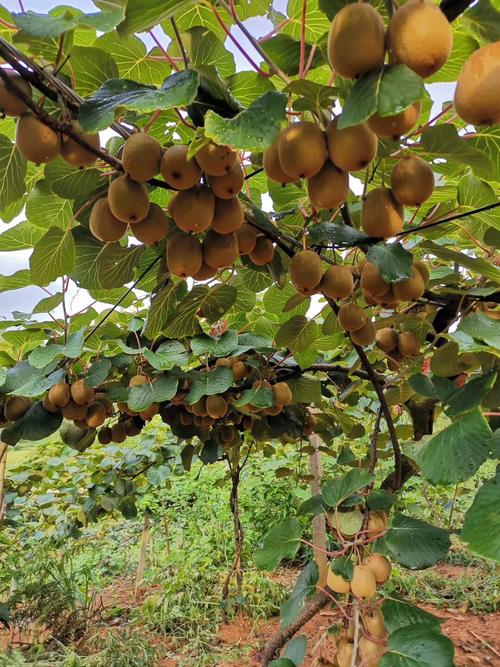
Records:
x=146, y=531
x=318, y=522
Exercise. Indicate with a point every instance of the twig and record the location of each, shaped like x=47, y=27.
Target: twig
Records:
x=373, y=443
x=303, y=40
x=165, y=55
x=483, y=641
x=179, y=42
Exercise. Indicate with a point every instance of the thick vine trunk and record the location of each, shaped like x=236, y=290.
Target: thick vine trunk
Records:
x=318, y=522
x=146, y=532
x=239, y=536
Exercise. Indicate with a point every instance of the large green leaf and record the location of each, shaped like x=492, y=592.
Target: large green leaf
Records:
x=116, y=95
x=284, y=51
x=470, y=395
x=221, y=346
x=141, y=15
x=298, y=334
x=43, y=355
x=210, y=383
x=71, y=183
x=131, y=57
x=160, y=389
x=476, y=265
x=36, y=424
x=335, y=491
x=282, y=541
x=392, y=260
x=53, y=256
x=481, y=531
x=254, y=129
x=45, y=209
x=479, y=325
x=116, y=263
x=17, y=280
x=212, y=302
x=20, y=237
x=443, y=141
x=162, y=305
x=305, y=587
x=418, y=646
x=12, y=172
x=169, y=354
x=94, y=67
x=54, y=24
x=400, y=614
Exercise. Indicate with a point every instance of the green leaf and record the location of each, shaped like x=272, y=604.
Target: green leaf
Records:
x=222, y=346
x=470, y=395
x=98, y=111
x=72, y=183
x=282, y=541
x=392, y=260
x=130, y=56
x=386, y=92
x=36, y=424
x=335, y=491
x=20, y=237
x=342, y=566
x=400, y=614
x=414, y=544
x=53, y=256
x=94, y=67
x=41, y=356
x=298, y=334
x=479, y=325
x=473, y=193
x=312, y=506
x=418, y=646
x=208, y=384
x=116, y=263
x=97, y=372
x=305, y=389
x=296, y=650
x=254, y=129
x=476, y=265
x=260, y=397
x=45, y=209
x=161, y=389
x=13, y=169
x=380, y=499
x=284, y=51
x=213, y=302
x=335, y=233
x=443, y=141
x=483, y=20
x=246, y=87
x=162, y=305
x=141, y=16
x=169, y=354
x=454, y=454
x=481, y=531
x=305, y=587
x=53, y=24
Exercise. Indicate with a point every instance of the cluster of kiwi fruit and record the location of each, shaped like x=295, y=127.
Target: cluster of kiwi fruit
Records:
x=397, y=347
x=372, y=640
x=79, y=403
x=13, y=408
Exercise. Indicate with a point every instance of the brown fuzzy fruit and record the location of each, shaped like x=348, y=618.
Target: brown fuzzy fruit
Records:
x=215, y=160
x=35, y=141
x=337, y=282
x=282, y=394
x=149, y=412
x=408, y=344
x=205, y=273
x=381, y=215
x=240, y=371
x=363, y=584
x=388, y=300
x=216, y=406
x=419, y=36
x=15, y=407
x=108, y=405
x=10, y=104
x=128, y=200
x=344, y=652
x=410, y=289
x=352, y=148
x=305, y=270
x=220, y=250
x=274, y=410
x=329, y=187
x=423, y=270
x=371, y=652
x=118, y=433
x=47, y=405
x=184, y=255
x=59, y=394
x=81, y=393
x=137, y=380
x=336, y=583
x=373, y=621
x=263, y=251
x=104, y=435
x=369, y=299
x=364, y=336
x=412, y=181
x=132, y=427
x=301, y=150
x=394, y=359
x=193, y=210
x=387, y=339
x=272, y=167
x=177, y=170
x=74, y=411
x=372, y=281
x=247, y=238
x=228, y=215
x=476, y=95
x=141, y=157
x=351, y=317
x=392, y=127
x=96, y=415
x=75, y=154
x=103, y=224
x=153, y=228
x=377, y=523
x=229, y=185
x=380, y=566
x=360, y=24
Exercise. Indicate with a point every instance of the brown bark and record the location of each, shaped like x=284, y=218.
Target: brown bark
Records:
x=318, y=522
x=146, y=532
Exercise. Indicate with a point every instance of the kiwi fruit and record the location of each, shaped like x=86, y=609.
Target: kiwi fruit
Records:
x=118, y=433
x=389, y=299
x=75, y=154
x=59, y=394
x=240, y=370
x=128, y=200
x=351, y=148
x=272, y=167
x=186, y=418
x=215, y=160
x=372, y=281
x=369, y=299
x=336, y=583
x=364, y=336
x=392, y=127
x=263, y=251
x=108, y=405
x=81, y=424
x=408, y=344
x=373, y=621
x=10, y=104
x=179, y=171
x=476, y=95
x=301, y=150
x=337, y=282
x=305, y=270
x=329, y=187
x=282, y=394
x=132, y=427
x=363, y=583
x=153, y=228
x=205, y=273
x=193, y=210
x=216, y=406
x=351, y=317
x=381, y=215
x=419, y=36
x=228, y=215
x=138, y=380
x=394, y=359
x=423, y=270
x=96, y=415
x=371, y=652
x=380, y=566
x=247, y=238
x=81, y=393
x=48, y=405
x=387, y=339
x=412, y=181
x=104, y=435
x=220, y=250
x=141, y=157
x=274, y=410
x=230, y=184
x=35, y=141
x=103, y=224
x=377, y=523
x=74, y=411
x=200, y=407
x=150, y=412
x=344, y=652
x=410, y=289
x=184, y=255
x=15, y=407
x=361, y=25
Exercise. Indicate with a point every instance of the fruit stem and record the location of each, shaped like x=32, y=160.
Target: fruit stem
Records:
x=172, y=64
x=303, y=40
x=180, y=43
